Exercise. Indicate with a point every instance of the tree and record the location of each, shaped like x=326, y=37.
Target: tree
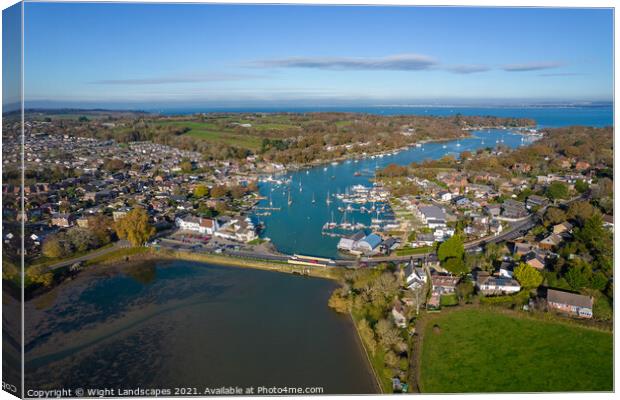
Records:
x=464, y=290
x=339, y=302
x=37, y=274
x=52, y=247
x=201, y=191
x=580, y=211
x=554, y=216
x=367, y=335
x=389, y=336
x=581, y=186
x=557, y=190
x=578, y=275
x=528, y=276
x=451, y=248
x=219, y=191
x=455, y=266
x=186, y=166
x=135, y=227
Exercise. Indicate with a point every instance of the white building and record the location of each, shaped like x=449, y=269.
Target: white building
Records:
x=204, y=226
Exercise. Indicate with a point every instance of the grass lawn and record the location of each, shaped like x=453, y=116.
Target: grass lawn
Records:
x=211, y=132
x=407, y=251
x=478, y=350
x=448, y=300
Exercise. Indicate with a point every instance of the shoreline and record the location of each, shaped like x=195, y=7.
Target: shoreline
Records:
x=300, y=167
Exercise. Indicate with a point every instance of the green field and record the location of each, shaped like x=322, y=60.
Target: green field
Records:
x=487, y=351
x=211, y=132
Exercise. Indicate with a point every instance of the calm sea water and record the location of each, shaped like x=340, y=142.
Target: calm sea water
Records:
x=184, y=324
x=545, y=116
x=296, y=228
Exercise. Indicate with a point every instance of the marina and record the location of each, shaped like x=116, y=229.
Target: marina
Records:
x=346, y=202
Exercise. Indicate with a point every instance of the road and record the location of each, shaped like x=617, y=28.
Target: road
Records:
x=116, y=246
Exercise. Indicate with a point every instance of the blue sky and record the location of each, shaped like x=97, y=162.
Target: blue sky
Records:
x=149, y=54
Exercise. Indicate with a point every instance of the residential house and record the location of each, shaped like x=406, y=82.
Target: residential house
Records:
x=415, y=277
x=535, y=259
x=444, y=284
x=513, y=209
x=62, y=220
x=573, y=304
x=489, y=285
x=433, y=216
x=582, y=165
x=204, y=226
x=398, y=314
x=535, y=202
x=563, y=228
x=550, y=242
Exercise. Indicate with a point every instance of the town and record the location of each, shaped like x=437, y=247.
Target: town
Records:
x=528, y=228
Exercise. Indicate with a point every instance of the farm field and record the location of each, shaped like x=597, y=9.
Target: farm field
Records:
x=476, y=350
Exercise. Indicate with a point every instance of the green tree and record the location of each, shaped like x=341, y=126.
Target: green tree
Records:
x=581, y=186
x=464, y=290
x=135, y=227
x=455, y=266
x=528, y=276
x=557, y=190
x=578, y=275
x=451, y=248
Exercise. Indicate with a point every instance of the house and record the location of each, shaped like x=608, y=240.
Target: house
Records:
x=415, y=277
x=535, y=202
x=120, y=213
x=389, y=244
x=348, y=243
x=582, y=165
x=423, y=239
x=522, y=167
x=570, y=303
x=433, y=216
x=444, y=284
x=242, y=230
x=461, y=201
x=535, y=259
x=398, y=313
x=564, y=227
x=550, y=242
x=506, y=269
x=513, y=209
x=444, y=195
x=493, y=210
x=488, y=284
x=204, y=226
x=520, y=249
x=369, y=244
x=62, y=220
x=82, y=222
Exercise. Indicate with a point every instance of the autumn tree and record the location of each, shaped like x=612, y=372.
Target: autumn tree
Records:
x=201, y=191
x=52, y=247
x=135, y=227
